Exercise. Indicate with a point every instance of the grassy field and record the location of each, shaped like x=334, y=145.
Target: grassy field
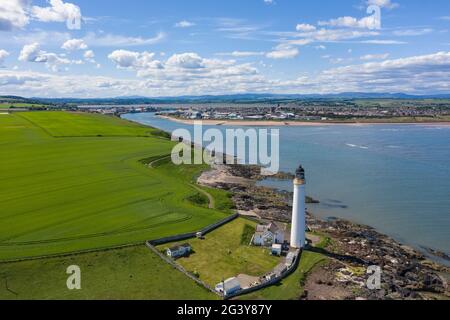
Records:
x=131, y=273
x=221, y=255
x=72, y=182
x=5, y=105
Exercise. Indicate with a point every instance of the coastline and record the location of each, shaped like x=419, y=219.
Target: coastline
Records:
x=268, y=123
x=408, y=272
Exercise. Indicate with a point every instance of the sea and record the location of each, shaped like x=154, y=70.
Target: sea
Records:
x=394, y=178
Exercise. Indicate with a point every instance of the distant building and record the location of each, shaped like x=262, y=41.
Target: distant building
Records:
x=267, y=235
x=179, y=251
x=229, y=286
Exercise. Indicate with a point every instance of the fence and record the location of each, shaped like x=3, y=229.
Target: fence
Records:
x=271, y=282
x=190, y=235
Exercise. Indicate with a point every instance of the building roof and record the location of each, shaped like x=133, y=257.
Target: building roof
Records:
x=183, y=246
x=232, y=283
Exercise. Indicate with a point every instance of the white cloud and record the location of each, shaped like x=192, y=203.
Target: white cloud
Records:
x=242, y=54
x=33, y=53
x=283, y=53
x=382, y=41
x=13, y=14
x=184, y=24
x=186, y=61
x=134, y=60
x=388, y=4
x=3, y=55
x=112, y=40
x=305, y=27
x=16, y=14
x=381, y=56
x=413, y=32
x=58, y=11
x=74, y=44
x=369, y=22
x=425, y=74
x=89, y=54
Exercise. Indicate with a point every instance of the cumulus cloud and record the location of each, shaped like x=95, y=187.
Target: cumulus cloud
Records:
x=3, y=55
x=16, y=14
x=74, y=44
x=370, y=22
x=59, y=11
x=186, y=61
x=381, y=56
x=184, y=24
x=13, y=14
x=416, y=75
x=388, y=4
x=283, y=53
x=134, y=60
x=184, y=69
x=305, y=27
x=33, y=53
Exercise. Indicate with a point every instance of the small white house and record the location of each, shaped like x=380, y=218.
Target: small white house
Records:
x=267, y=235
x=229, y=286
x=179, y=251
x=277, y=249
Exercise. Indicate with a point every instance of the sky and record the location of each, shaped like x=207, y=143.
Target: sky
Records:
x=112, y=48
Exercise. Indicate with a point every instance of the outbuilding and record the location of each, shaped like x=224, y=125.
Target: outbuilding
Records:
x=179, y=251
x=229, y=286
x=277, y=249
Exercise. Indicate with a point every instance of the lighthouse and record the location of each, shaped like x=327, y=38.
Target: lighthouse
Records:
x=298, y=239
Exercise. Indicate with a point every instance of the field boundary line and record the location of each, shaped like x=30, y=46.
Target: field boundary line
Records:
x=74, y=253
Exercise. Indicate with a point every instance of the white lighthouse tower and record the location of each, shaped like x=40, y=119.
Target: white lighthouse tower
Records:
x=298, y=239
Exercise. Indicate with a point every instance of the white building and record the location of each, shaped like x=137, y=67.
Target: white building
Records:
x=229, y=286
x=267, y=235
x=298, y=226
x=277, y=249
x=179, y=251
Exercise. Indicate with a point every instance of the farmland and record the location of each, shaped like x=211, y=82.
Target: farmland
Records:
x=6, y=105
x=129, y=273
x=74, y=182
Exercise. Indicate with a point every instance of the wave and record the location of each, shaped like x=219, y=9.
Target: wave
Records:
x=356, y=146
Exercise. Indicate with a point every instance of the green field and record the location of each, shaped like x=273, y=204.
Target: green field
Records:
x=131, y=273
x=4, y=105
x=73, y=182
x=222, y=255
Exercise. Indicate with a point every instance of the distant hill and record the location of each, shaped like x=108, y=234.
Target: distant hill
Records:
x=232, y=98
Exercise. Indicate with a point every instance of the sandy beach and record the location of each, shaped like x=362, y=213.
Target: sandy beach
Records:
x=266, y=123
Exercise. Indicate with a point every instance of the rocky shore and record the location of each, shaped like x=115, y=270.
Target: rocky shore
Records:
x=351, y=249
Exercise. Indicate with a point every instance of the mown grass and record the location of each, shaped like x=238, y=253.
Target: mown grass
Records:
x=131, y=273
x=221, y=255
x=72, y=182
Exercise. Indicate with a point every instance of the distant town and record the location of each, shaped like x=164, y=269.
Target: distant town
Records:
x=320, y=110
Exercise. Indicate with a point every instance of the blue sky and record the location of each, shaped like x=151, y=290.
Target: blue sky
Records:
x=180, y=47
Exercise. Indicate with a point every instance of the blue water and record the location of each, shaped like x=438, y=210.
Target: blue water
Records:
x=395, y=178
